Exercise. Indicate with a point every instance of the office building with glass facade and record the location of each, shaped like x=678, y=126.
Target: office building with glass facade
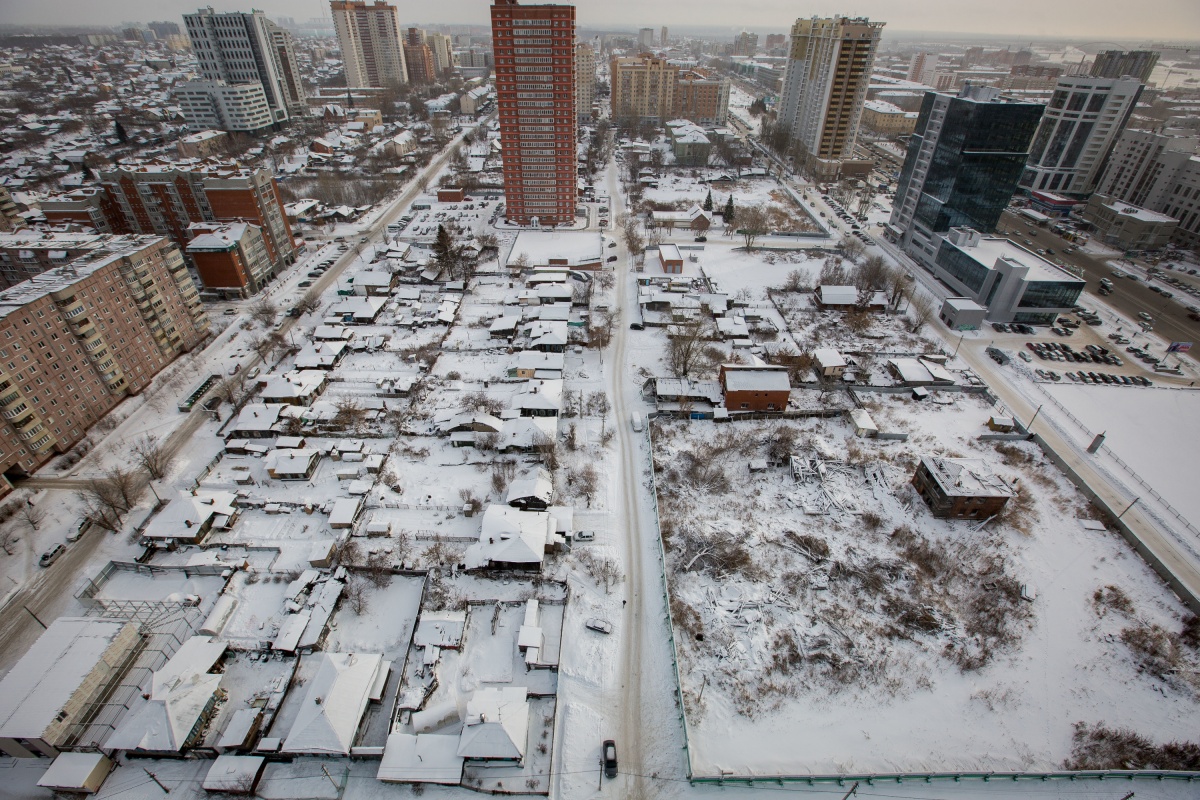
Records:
x=964, y=160
x=1014, y=284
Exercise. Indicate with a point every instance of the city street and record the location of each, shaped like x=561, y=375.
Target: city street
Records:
x=1129, y=297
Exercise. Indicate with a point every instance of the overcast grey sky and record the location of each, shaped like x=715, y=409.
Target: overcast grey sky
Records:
x=1089, y=19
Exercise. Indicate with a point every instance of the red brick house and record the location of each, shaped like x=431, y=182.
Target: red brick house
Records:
x=749, y=388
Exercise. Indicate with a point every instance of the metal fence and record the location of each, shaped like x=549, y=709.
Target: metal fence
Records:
x=666, y=590
x=1129, y=470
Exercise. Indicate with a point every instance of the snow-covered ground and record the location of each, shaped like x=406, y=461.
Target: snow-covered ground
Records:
x=906, y=647
x=1145, y=430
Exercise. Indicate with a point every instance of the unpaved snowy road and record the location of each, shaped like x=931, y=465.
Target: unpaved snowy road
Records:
x=631, y=669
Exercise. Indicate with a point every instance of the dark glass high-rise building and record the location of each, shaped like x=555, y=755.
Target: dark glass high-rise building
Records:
x=963, y=164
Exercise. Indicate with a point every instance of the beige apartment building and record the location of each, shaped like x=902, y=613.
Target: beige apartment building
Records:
x=652, y=89
x=78, y=338
x=369, y=36
x=825, y=86
x=585, y=80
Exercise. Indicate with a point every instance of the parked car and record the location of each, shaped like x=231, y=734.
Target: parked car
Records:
x=611, y=259
x=598, y=625
x=304, y=284
x=701, y=238
x=1145, y=316
x=52, y=555
x=584, y=536
x=609, y=757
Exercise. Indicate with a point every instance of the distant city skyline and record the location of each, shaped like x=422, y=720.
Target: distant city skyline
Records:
x=1154, y=19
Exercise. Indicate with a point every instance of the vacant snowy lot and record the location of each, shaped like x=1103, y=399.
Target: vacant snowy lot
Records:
x=831, y=624
x=1144, y=429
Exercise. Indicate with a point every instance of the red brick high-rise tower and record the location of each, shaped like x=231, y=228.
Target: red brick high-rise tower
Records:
x=534, y=50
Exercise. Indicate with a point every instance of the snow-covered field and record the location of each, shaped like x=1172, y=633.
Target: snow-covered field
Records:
x=837, y=626
x=1145, y=430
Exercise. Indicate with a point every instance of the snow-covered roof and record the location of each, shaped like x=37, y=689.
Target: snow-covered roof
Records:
x=334, y=704
x=344, y=510
x=862, y=420
x=260, y=417
x=291, y=461
x=44, y=680
x=536, y=485
x=828, y=357
x=440, y=629
x=303, y=384
x=230, y=773
x=536, y=359
x=332, y=333
x=570, y=248
x=180, y=692
x=76, y=772
x=755, y=379
x=187, y=512
x=965, y=477
x=524, y=432
x=497, y=724
x=511, y=536
x=838, y=295
x=539, y=394
x=421, y=758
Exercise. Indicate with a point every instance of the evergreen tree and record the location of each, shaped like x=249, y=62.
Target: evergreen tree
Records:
x=727, y=214
x=122, y=137
x=708, y=201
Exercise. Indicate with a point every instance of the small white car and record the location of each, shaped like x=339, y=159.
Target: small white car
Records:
x=598, y=625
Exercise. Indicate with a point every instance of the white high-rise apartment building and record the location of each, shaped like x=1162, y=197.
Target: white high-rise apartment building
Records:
x=239, y=48
x=443, y=51
x=1083, y=121
x=220, y=106
x=369, y=36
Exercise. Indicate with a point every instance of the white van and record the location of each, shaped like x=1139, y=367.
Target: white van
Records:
x=635, y=419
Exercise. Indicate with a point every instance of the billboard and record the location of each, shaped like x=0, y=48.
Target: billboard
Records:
x=1179, y=347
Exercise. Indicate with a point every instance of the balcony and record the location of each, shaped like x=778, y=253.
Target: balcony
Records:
x=25, y=422
x=16, y=411
x=32, y=432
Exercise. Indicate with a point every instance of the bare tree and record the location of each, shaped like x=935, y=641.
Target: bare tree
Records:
x=310, y=302
x=798, y=281
x=872, y=274
x=378, y=569
x=598, y=404
x=752, y=222
x=895, y=281
x=685, y=347
x=108, y=498
x=264, y=311
x=921, y=309
x=31, y=515
x=8, y=540
x=152, y=456
x=357, y=594
x=350, y=414
x=547, y=449
x=632, y=236
x=852, y=248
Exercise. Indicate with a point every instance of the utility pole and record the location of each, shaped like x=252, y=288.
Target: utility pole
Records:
x=154, y=778
x=1131, y=505
x=1031, y=419
x=35, y=616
